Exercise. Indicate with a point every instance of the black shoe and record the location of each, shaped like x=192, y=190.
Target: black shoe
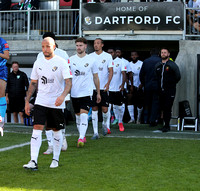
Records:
x=153, y=124
x=165, y=129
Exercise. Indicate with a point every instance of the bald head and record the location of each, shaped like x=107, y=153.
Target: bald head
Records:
x=48, y=46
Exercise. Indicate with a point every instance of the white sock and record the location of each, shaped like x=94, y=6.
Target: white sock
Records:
x=95, y=121
x=78, y=122
x=139, y=113
x=106, y=118
x=83, y=125
x=49, y=135
x=57, y=144
x=63, y=133
x=131, y=111
x=120, y=114
x=109, y=115
x=115, y=110
x=36, y=141
x=123, y=109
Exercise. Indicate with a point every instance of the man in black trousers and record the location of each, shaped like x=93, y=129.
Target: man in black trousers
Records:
x=150, y=84
x=168, y=75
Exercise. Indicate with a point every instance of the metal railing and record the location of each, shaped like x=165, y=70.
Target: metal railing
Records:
x=34, y=23
x=192, y=22
x=65, y=23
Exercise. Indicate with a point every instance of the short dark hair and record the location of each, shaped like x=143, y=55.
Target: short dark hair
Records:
x=102, y=42
x=15, y=62
x=165, y=49
x=81, y=39
x=118, y=48
x=49, y=34
x=154, y=51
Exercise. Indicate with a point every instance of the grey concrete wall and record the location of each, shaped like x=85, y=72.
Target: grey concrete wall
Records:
x=187, y=87
x=34, y=46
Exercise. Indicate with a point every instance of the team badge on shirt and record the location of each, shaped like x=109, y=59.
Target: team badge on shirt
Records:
x=86, y=65
x=54, y=68
x=103, y=61
x=167, y=68
x=6, y=45
x=117, y=65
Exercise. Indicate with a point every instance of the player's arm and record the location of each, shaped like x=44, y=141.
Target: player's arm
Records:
x=123, y=81
x=110, y=70
x=97, y=85
x=5, y=54
x=131, y=80
x=61, y=98
x=32, y=88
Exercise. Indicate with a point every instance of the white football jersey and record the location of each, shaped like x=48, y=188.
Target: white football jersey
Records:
x=119, y=67
x=59, y=52
x=82, y=70
x=104, y=61
x=50, y=75
x=135, y=68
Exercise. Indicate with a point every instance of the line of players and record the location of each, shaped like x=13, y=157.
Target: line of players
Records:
x=98, y=80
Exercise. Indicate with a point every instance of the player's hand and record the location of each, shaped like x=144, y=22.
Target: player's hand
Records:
x=27, y=108
x=98, y=98
x=59, y=100
x=106, y=87
x=121, y=88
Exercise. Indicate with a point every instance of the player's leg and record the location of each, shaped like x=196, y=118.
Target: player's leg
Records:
x=3, y=104
x=55, y=120
x=85, y=104
x=36, y=138
x=95, y=116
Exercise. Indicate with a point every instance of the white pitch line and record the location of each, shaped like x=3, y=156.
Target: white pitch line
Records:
x=16, y=146
x=109, y=136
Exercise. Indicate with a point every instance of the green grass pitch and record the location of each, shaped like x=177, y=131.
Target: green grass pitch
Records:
x=137, y=159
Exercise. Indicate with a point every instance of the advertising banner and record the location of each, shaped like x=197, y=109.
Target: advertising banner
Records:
x=133, y=16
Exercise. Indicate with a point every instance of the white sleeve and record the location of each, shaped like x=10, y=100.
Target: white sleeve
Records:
x=95, y=67
x=34, y=74
x=66, y=72
x=123, y=66
x=110, y=62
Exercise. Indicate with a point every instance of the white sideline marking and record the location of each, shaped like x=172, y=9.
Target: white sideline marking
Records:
x=17, y=146
x=108, y=136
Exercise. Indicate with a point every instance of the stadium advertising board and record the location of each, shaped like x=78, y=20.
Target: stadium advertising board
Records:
x=132, y=16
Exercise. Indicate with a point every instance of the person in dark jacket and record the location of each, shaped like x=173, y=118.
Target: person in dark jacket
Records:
x=150, y=84
x=17, y=86
x=168, y=75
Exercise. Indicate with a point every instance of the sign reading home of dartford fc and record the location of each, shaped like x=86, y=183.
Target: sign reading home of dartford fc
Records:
x=132, y=16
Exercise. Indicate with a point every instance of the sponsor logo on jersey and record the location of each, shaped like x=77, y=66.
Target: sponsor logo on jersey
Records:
x=78, y=73
x=6, y=45
x=74, y=64
x=114, y=73
x=45, y=80
x=100, y=69
x=54, y=68
x=86, y=65
x=40, y=68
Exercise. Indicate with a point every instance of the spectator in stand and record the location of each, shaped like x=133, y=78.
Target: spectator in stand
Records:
x=17, y=87
x=149, y=82
x=136, y=93
x=168, y=75
x=4, y=56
